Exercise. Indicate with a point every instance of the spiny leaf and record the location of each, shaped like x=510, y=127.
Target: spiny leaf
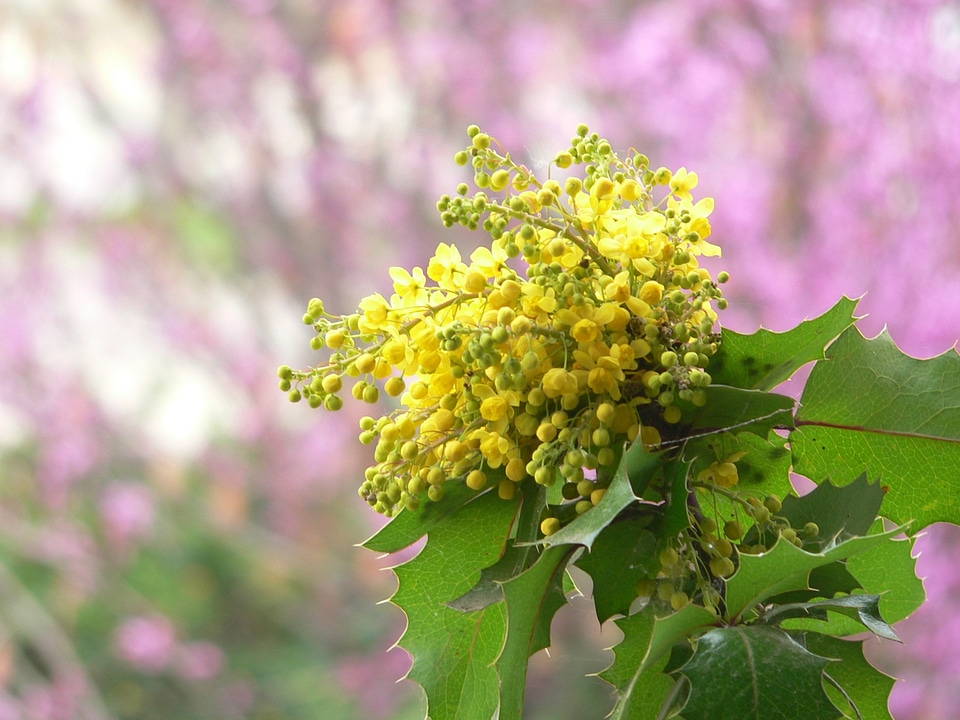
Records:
x=887, y=570
x=584, y=529
x=755, y=672
x=533, y=598
x=641, y=693
x=623, y=554
x=765, y=359
x=867, y=687
x=520, y=554
x=671, y=629
x=869, y=407
x=849, y=510
x=411, y=525
x=733, y=408
x=453, y=652
x=785, y=568
x=862, y=608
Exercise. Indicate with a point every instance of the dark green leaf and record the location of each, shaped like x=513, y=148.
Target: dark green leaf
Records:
x=732, y=408
x=584, y=529
x=755, y=672
x=454, y=652
x=676, y=516
x=863, y=608
x=867, y=687
x=623, y=554
x=825, y=581
x=533, y=598
x=887, y=570
x=765, y=359
x=671, y=629
x=785, y=568
x=871, y=408
x=838, y=511
x=640, y=693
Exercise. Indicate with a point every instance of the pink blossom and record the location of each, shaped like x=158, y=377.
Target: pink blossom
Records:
x=148, y=643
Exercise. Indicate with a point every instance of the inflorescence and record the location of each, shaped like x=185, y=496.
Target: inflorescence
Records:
x=585, y=324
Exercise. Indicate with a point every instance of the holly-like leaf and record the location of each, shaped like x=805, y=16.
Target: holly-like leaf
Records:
x=411, y=525
x=454, y=652
x=640, y=693
x=519, y=555
x=887, y=570
x=755, y=672
x=785, y=568
x=533, y=598
x=764, y=359
x=862, y=608
x=869, y=407
x=733, y=408
x=671, y=629
x=584, y=529
x=623, y=554
x=838, y=511
x=868, y=688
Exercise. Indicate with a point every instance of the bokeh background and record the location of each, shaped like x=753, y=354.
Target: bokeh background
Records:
x=179, y=177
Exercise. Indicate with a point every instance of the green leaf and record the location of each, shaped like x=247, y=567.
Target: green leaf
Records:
x=641, y=693
x=533, y=598
x=765, y=359
x=622, y=554
x=887, y=570
x=671, y=629
x=411, y=525
x=764, y=469
x=867, y=687
x=844, y=511
x=520, y=554
x=755, y=672
x=732, y=408
x=862, y=608
x=676, y=516
x=454, y=652
x=584, y=529
x=785, y=568
x=870, y=407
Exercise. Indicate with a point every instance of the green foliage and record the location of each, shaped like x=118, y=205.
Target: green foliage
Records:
x=871, y=408
x=755, y=672
x=764, y=641
x=626, y=438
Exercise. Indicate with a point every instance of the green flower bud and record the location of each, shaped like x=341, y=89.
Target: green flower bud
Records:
x=668, y=359
x=481, y=141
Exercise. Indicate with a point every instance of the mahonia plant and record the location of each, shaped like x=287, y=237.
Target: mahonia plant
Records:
x=566, y=402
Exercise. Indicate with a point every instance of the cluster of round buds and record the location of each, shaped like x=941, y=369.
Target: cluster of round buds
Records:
x=585, y=324
x=694, y=563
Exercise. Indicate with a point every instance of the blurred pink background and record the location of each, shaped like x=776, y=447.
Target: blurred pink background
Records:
x=178, y=178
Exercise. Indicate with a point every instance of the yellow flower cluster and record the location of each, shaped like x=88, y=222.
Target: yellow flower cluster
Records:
x=585, y=324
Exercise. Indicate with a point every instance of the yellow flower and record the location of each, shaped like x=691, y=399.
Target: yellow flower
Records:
x=585, y=331
x=410, y=288
x=374, y=311
x=683, y=182
x=538, y=303
x=558, y=381
x=445, y=267
x=493, y=446
x=492, y=261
